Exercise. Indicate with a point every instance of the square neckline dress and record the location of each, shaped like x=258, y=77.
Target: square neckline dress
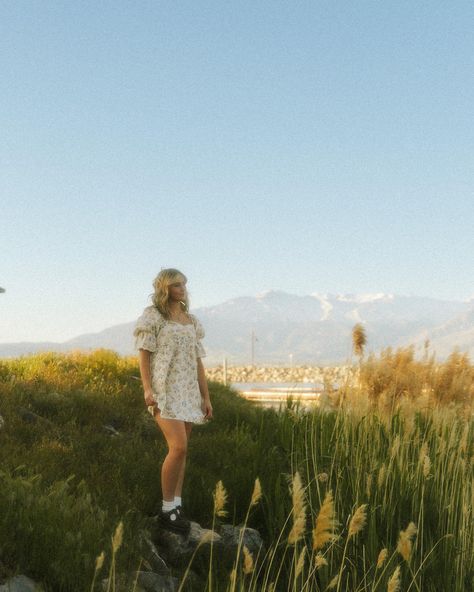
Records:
x=174, y=348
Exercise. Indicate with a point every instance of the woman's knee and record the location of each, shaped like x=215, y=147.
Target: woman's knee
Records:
x=178, y=448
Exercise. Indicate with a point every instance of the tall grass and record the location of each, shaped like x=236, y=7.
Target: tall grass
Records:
x=373, y=491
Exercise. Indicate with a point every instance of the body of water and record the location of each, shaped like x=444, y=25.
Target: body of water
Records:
x=274, y=394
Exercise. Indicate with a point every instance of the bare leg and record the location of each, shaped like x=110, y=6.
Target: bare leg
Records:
x=173, y=466
x=179, y=484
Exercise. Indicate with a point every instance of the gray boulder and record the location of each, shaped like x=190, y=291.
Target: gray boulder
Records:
x=20, y=584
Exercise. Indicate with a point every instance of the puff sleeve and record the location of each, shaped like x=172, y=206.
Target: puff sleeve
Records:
x=146, y=330
x=200, y=351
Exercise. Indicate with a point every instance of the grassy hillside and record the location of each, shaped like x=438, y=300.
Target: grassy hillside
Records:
x=79, y=454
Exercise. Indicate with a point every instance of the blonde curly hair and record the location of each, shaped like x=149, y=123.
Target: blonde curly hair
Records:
x=160, y=297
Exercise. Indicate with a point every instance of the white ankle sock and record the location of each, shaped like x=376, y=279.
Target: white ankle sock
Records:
x=167, y=506
x=177, y=501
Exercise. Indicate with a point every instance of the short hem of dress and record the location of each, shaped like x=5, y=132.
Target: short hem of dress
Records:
x=197, y=421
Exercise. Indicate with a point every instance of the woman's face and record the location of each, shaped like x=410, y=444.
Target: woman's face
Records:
x=177, y=289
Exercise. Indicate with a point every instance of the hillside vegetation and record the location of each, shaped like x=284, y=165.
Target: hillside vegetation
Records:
x=371, y=491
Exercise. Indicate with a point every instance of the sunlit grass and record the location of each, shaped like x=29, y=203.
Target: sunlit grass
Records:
x=371, y=491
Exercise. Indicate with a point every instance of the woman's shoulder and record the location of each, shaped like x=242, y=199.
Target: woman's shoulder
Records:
x=153, y=314
x=197, y=324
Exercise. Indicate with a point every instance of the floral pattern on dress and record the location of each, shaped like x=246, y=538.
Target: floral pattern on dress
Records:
x=174, y=349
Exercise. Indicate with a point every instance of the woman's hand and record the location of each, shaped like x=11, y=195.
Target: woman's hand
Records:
x=206, y=408
x=149, y=398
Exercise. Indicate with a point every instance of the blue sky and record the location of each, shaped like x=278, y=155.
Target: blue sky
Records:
x=302, y=146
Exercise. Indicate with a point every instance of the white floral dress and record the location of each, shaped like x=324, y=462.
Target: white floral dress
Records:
x=174, y=349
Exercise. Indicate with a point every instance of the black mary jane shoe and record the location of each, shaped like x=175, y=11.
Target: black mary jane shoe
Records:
x=174, y=521
x=181, y=512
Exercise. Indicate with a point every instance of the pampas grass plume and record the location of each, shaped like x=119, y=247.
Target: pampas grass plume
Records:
x=118, y=537
x=300, y=562
x=220, y=499
x=99, y=562
x=358, y=520
x=426, y=466
x=257, y=493
x=333, y=582
x=404, y=546
x=382, y=558
x=381, y=476
x=319, y=561
x=324, y=530
x=394, y=581
x=299, y=510
x=248, y=561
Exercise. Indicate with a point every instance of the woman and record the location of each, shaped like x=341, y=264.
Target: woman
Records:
x=168, y=339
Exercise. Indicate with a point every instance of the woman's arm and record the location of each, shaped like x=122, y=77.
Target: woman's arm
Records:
x=145, y=373
x=206, y=401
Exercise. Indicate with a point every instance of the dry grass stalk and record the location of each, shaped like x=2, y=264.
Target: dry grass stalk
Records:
x=395, y=446
x=220, y=499
x=382, y=558
x=424, y=450
x=368, y=488
x=99, y=562
x=118, y=537
x=426, y=466
x=463, y=444
x=319, y=561
x=248, y=561
x=324, y=530
x=405, y=545
x=394, y=581
x=381, y=476
x=358, y=520
x=299, y=510
x=233, y=578
x=300, y=562
x=257, y=493
x=207, y=537
x=333, y=582
x=359, y=339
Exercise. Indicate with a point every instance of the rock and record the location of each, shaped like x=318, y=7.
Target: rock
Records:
x=153, y=582
x=251, y=538
x=177, y=549
x=28, y=416
x=146, y=581
x=151, y=556
x=20, y=584
x=32, y=417
x=111, y=430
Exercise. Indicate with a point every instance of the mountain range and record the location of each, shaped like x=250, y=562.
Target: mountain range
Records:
x=314, y=329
